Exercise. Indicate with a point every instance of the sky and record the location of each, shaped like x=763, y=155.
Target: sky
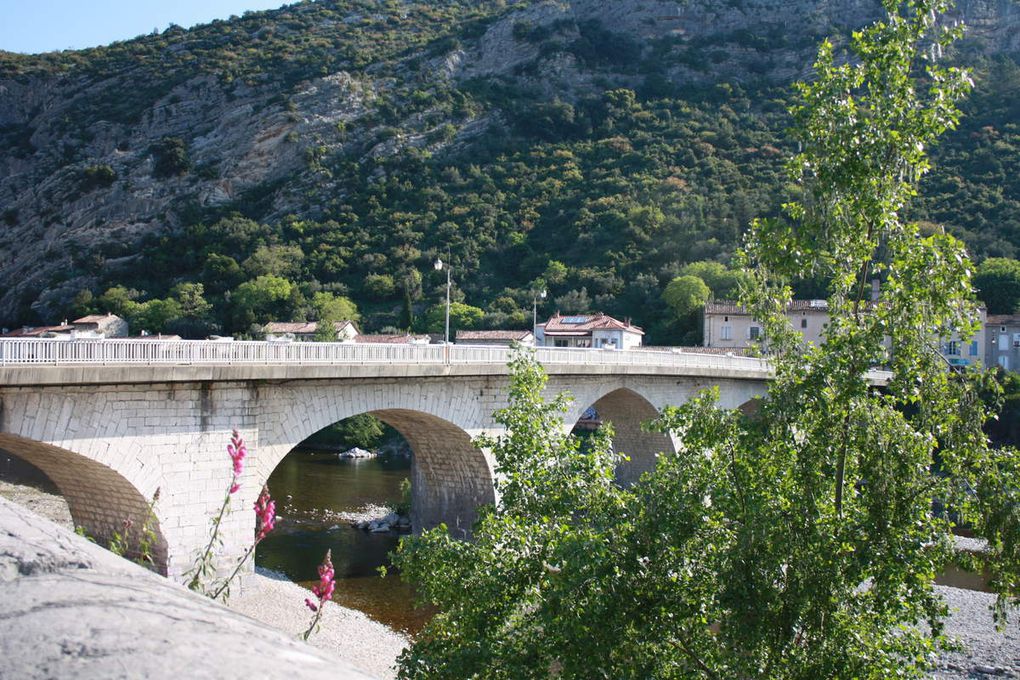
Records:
x=32, y=26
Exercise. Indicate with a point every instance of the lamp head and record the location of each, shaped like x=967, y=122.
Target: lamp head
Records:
x=438, y=264
x=542, y=294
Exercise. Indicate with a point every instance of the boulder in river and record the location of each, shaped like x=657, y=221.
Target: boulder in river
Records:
x=356, y=453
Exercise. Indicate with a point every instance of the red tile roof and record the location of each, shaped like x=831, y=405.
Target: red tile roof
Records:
x=584, y=324
x=36, y=331
x=300, y=327
x=391, y=339
x=467, y=336
x=95, y=318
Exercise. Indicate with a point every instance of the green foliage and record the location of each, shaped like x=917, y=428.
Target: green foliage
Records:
x=330, y=307
x=364, y=431
x=798, y=543
x=403, y=506
x=685, y=295
x=462, y=317
x=262, y=300
x=380, y=286
x=170, y=157
x=154, y=316
x=998, y=285
x=724, y=282
x=96, y=177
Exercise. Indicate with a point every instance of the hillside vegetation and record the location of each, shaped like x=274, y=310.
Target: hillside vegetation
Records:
x=271, y=165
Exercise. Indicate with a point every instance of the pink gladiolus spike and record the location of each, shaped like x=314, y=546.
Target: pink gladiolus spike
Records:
x=234, y=487
x=265, y=514
x=311, y=605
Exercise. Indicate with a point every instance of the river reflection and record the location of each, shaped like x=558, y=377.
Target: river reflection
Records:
x=310, y=488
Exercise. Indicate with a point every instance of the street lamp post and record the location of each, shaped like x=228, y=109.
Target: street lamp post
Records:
x=534, y=309
x=439, y=267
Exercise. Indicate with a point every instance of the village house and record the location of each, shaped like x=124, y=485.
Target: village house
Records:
x=495, y=337
x=728, y=325
x=103, y=325
x=1002, y=347
x=393, y=339
x=304, y=331
x=588, y=330
x=27, y=332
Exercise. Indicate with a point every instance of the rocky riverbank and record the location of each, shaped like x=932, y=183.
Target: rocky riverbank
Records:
x=350, y=635
x=373, y=647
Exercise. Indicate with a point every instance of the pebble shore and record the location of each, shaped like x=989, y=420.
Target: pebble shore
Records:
x=348, y=634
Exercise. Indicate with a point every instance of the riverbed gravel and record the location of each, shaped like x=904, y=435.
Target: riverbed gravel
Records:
x=352, y=636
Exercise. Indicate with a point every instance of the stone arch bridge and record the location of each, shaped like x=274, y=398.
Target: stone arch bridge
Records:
x=110, y=422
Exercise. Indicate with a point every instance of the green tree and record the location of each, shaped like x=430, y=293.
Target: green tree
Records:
x=261, y=300
x=685, y=295
x=170, y=157
x=462, y=317
x=276, y=260
x=998, y=285
x=329, y=310
x=118, y=300
x=380, y=286
x=191, y=298
x=724, y=282
x=801, y=542
x=155, y=315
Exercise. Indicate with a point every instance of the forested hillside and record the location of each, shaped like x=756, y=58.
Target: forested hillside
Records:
x=274, y=164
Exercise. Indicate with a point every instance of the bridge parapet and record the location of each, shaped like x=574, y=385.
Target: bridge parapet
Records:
x=190, y=352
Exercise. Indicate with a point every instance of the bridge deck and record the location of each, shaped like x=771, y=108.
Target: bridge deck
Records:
x=34, y=362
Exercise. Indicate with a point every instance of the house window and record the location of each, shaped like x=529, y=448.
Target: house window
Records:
x=1004, y=362
x=1003, y=342
x=561, y=343
x=973, y=348
x=952, y=347
x=584, y=342
x=727, y=332
x=753, y=332
x=1016, y=340
x=803, y=323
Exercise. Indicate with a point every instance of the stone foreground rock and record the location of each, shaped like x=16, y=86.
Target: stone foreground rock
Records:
x=69, y=608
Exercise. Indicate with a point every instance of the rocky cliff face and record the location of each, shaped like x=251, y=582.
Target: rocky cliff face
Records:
x=81, y=184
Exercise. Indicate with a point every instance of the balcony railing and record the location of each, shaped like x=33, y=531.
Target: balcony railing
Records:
x=56, y=352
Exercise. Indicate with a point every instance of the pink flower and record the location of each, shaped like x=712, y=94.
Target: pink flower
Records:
x=237, y=451
x=311, y=605
x=327, y=582
x=265, y=514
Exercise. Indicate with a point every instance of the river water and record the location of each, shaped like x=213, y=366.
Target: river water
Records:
x=311, y=487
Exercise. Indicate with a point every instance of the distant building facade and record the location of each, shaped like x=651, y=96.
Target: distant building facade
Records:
x=588, y=330
x=496, y=337
x=103, y=325
x=1002, y=341
x=304, y=331
x=393, y=339
x=729, y=326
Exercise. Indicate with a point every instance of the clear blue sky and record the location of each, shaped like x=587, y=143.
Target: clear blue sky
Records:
x=45, y=25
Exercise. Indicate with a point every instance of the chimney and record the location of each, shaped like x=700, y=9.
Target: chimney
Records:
x=874, y=289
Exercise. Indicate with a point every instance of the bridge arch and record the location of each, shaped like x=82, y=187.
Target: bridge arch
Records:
x=100, y=499
x=450, y=477
x=627, y=410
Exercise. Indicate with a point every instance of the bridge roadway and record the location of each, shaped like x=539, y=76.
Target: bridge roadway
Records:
x=112, y=421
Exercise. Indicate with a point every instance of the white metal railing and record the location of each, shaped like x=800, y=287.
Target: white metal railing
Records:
x=204, y=352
